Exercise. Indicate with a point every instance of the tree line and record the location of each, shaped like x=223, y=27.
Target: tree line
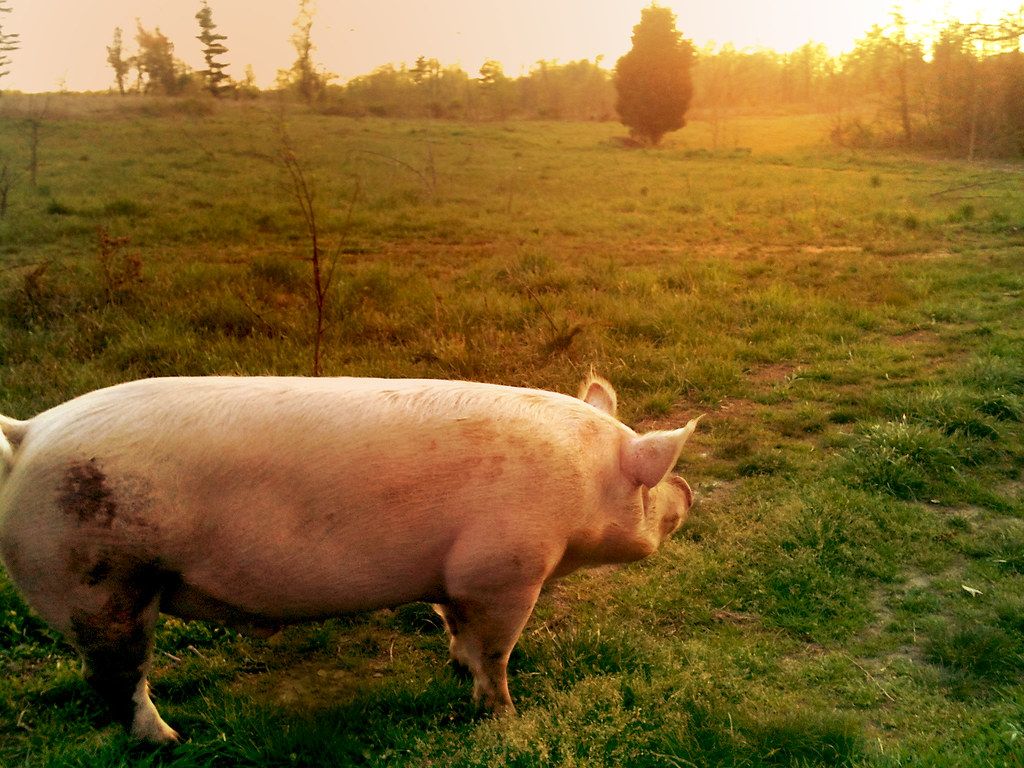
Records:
x=962, y=94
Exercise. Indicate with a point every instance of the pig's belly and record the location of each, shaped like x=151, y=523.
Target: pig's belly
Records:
x=305, y=580
x=272, y=599
x=326, y=545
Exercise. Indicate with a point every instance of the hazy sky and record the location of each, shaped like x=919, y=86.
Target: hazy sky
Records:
x=63, y=42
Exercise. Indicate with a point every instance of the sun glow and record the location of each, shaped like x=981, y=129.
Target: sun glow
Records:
x=354, y=38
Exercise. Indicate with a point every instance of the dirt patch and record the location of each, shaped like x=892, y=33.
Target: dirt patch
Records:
x=818, y=250
x=305, y=684
x=772, y=374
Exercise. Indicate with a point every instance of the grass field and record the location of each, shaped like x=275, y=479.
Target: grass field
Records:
x=850, y=589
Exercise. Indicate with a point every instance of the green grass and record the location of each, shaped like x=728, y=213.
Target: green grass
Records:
x=847, y=592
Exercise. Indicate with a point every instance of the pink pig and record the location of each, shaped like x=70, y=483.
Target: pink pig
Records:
x=261, y=501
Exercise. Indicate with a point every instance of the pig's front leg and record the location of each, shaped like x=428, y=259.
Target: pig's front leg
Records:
x=492, y=588
x=483, y=635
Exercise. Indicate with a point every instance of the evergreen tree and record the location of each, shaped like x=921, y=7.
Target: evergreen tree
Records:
x=213, y=75
x=653, y=79
x=8, y=42
x=116, y=59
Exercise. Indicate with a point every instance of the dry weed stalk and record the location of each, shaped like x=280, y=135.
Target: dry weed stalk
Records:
x=322, y=269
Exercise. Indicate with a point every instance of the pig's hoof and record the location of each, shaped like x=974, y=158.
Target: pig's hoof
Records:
x=154, y=731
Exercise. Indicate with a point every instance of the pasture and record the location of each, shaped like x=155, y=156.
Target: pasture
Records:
x=850, y=588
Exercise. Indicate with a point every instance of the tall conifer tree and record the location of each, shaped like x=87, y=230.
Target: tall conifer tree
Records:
x=8, y=42
x=214, y=74
x=653, y=79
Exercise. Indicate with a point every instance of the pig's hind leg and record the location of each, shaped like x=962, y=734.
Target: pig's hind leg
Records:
x=113, y=627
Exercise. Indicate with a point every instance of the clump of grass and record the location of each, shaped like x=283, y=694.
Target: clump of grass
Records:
x=1000, y=405
x=659, y=403
x=417, y=617
x=175, y=635
x=975, y=654
x=161, y=350
x=906, y=460
x=576, y=652
x=998, y=374
x=231, y=318
x=963, y=214
x=810, y=571
x=805, y=737
x=918, y=602
x=376, y=286
x=803, y=420
x=124, y=207
x=736, y=446
x=702, y=733
x=765, y=463
x=843, y=415
x=953, y=410
x=1002, y=545
x=57, y=208
x=278, y=271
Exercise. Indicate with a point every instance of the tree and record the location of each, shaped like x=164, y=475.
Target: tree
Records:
x=578, y=90
x=248, y=88
x=653, y=80
x=156, y=62
x=116, y=59
x=309, y=80
x=498, y=91
x=212, y=48
x=8, y=42
x=887, y=63
x=976, y=86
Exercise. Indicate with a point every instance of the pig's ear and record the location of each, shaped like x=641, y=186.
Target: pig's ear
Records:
x=599, y=393
x=646, y=459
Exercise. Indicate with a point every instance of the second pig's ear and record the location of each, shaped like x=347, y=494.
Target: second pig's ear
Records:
x=599, y=393
x=646, y=459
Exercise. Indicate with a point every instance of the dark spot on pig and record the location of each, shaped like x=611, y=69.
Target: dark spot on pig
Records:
x=116, y=640
x=87, y=496
x=98, y=573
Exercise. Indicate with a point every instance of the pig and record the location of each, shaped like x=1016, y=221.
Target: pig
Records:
x=261, y=501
